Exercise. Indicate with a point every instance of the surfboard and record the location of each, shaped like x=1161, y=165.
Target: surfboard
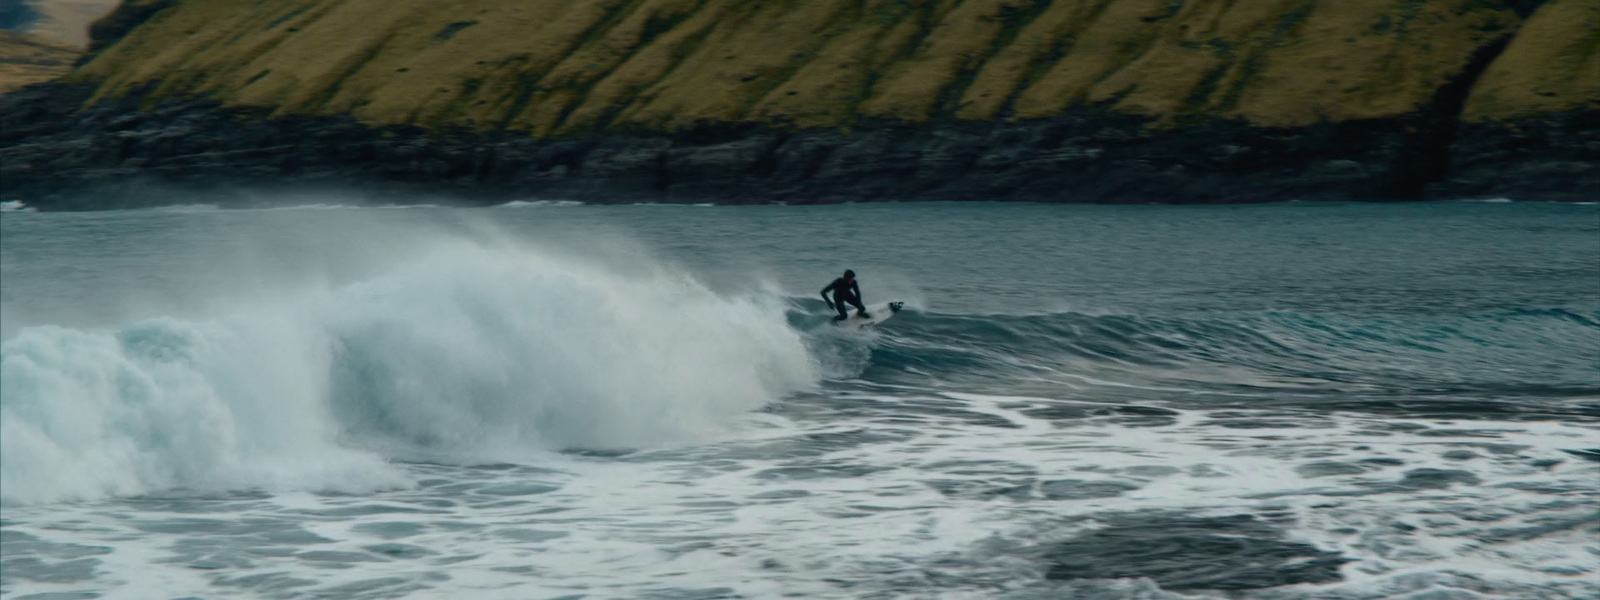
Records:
x=880, y=313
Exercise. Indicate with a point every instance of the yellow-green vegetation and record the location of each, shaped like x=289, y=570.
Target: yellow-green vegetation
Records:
x=66, y=22
x=1552, y=65
x=559, y=66
x=26, y=59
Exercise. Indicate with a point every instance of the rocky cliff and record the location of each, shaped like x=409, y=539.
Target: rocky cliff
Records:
x=823, y=100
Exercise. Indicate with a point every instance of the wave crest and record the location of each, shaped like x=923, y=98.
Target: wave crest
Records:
x=468, y=352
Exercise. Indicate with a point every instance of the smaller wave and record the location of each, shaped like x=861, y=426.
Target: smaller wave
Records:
x=539, y=203
x=1522, y=349
x=16, y=206
x=315, y=206
x=180, y=209
x=347, y=207
x=184, y=208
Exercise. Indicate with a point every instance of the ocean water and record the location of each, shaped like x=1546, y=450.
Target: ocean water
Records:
x=550, y=400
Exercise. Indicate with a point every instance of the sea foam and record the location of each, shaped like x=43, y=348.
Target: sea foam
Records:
x=465, y=352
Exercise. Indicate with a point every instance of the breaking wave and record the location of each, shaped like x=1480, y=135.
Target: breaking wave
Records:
x=467, y=352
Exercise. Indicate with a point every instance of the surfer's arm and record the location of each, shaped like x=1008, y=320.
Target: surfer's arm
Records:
x=856, y=288
x=825, y=297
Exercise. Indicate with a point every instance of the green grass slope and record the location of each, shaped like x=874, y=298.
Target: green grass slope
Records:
x=551, y=67
x=26, y=59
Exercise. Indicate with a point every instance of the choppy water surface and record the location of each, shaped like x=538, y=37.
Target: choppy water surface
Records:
x=555, y=401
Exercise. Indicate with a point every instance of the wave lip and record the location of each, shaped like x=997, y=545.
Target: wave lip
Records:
x=468, y=353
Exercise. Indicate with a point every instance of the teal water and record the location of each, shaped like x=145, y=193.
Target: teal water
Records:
x=548, y=400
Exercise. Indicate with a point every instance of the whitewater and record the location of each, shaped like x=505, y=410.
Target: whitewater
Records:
x=552, y=400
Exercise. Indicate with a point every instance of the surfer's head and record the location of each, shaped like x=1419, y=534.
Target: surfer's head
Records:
x=849, y=275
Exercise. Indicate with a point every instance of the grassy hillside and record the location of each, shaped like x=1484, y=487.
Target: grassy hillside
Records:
x=1552, y=65
x=26, y=59
x=559, y=66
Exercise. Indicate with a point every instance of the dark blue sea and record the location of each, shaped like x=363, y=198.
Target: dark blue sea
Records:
x=552, y=400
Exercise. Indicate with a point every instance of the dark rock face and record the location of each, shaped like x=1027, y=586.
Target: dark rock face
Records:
x=1226, y=553
x=123, y=19
x=56, y=156
x=1554, y=157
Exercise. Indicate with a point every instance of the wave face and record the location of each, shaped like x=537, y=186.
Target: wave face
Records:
x=1530, y=351
x=467, y=352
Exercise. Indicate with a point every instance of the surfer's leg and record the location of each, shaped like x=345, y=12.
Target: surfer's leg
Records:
x=838, y=303
x=860, y=310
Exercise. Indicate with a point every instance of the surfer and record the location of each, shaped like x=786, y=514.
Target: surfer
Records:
x=845, y=290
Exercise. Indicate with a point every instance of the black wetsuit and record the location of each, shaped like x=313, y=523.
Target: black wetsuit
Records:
x=844, y=292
